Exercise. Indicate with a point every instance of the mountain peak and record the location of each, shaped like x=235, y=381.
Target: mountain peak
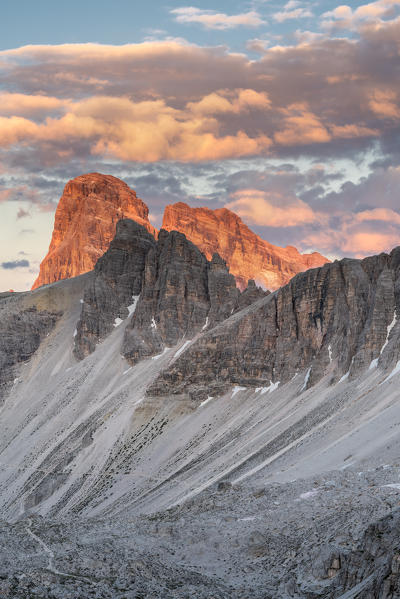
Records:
x=246, y=254
x=85, y=223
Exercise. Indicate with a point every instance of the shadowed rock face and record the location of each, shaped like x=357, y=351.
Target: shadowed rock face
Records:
x=182, y=295
x=174, y=301
x=21, y=332
x=85, y=224
x=341, y=318
x=247, y=255
x=116, y=283
x=169, y=285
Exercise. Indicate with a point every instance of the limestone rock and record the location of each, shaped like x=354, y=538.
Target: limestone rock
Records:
x=111, y=294
x=174, y=301
x=224, y=295
x=336, y=320
x=247, y=255
x=251, y=294
x=85, y=223
x=21, y=332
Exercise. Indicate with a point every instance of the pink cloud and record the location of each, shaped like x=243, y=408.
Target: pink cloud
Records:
x=301, y=127
x=270, y=209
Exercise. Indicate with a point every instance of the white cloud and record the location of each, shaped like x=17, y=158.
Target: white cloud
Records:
x=292, y=10
x=213, y=20
x=344, y=17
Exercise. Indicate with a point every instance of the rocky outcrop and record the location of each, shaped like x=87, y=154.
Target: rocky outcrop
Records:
x=85, y=224
x=182, y=294
x=373, y=568
x=339, y=319
x=21, y=332
x=92, y=204
x=251, y=294
x=224, y=295
x=174, y=301
x=168, y=287
x=247, y=255
x=111, y=294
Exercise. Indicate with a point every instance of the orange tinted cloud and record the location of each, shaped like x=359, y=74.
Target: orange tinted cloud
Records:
x=270, y=210
x=383, y=103
x=224, y=102
x=25, y=104
x=361, y=243
x=137, y=131
x=301, y=127
x=352, y=131
x=379, y=214
x=175, y=101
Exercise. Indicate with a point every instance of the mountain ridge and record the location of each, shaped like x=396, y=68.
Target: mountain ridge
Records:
x=253, y=448
x=92, y=204
x=247, y=255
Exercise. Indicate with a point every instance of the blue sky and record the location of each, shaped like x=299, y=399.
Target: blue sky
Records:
x=287, y=113
x=126, y=21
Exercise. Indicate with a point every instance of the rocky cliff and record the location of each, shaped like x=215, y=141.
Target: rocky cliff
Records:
x=92, y=204
x=85, y=223
x=340, y=319
x=286, y=484
x=247, y=255
x=168, y=288
x=22, y=329
x=111, y=294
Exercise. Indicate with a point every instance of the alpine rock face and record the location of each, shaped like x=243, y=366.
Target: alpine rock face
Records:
x=246, y=254
x=164, y=434
x=92, y=204
x=85, y=222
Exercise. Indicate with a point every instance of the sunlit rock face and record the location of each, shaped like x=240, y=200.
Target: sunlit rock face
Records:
x=247, y=255
x=85, y=224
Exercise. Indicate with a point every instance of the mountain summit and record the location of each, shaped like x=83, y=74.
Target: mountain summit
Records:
x=92, y=204
x=246, y=254
x=85, y=223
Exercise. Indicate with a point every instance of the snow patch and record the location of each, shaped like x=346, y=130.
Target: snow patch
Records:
x=306, y=379
x=117, y=322
x=345, y=376
x=374, y=363
x=153, y=323
x=393, y=486
x=159, y=355
x=330, y=353
x=236, y=390
x=272, y=386
x=132, y=307
x=203, y=403
x=206, y=324
x=125, y=371
x=75, y=333
x=182, y=349
x=389, y=330
x=395, y=371
x=81, y=301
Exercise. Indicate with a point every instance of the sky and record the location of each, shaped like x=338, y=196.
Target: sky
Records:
x=287, y=113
